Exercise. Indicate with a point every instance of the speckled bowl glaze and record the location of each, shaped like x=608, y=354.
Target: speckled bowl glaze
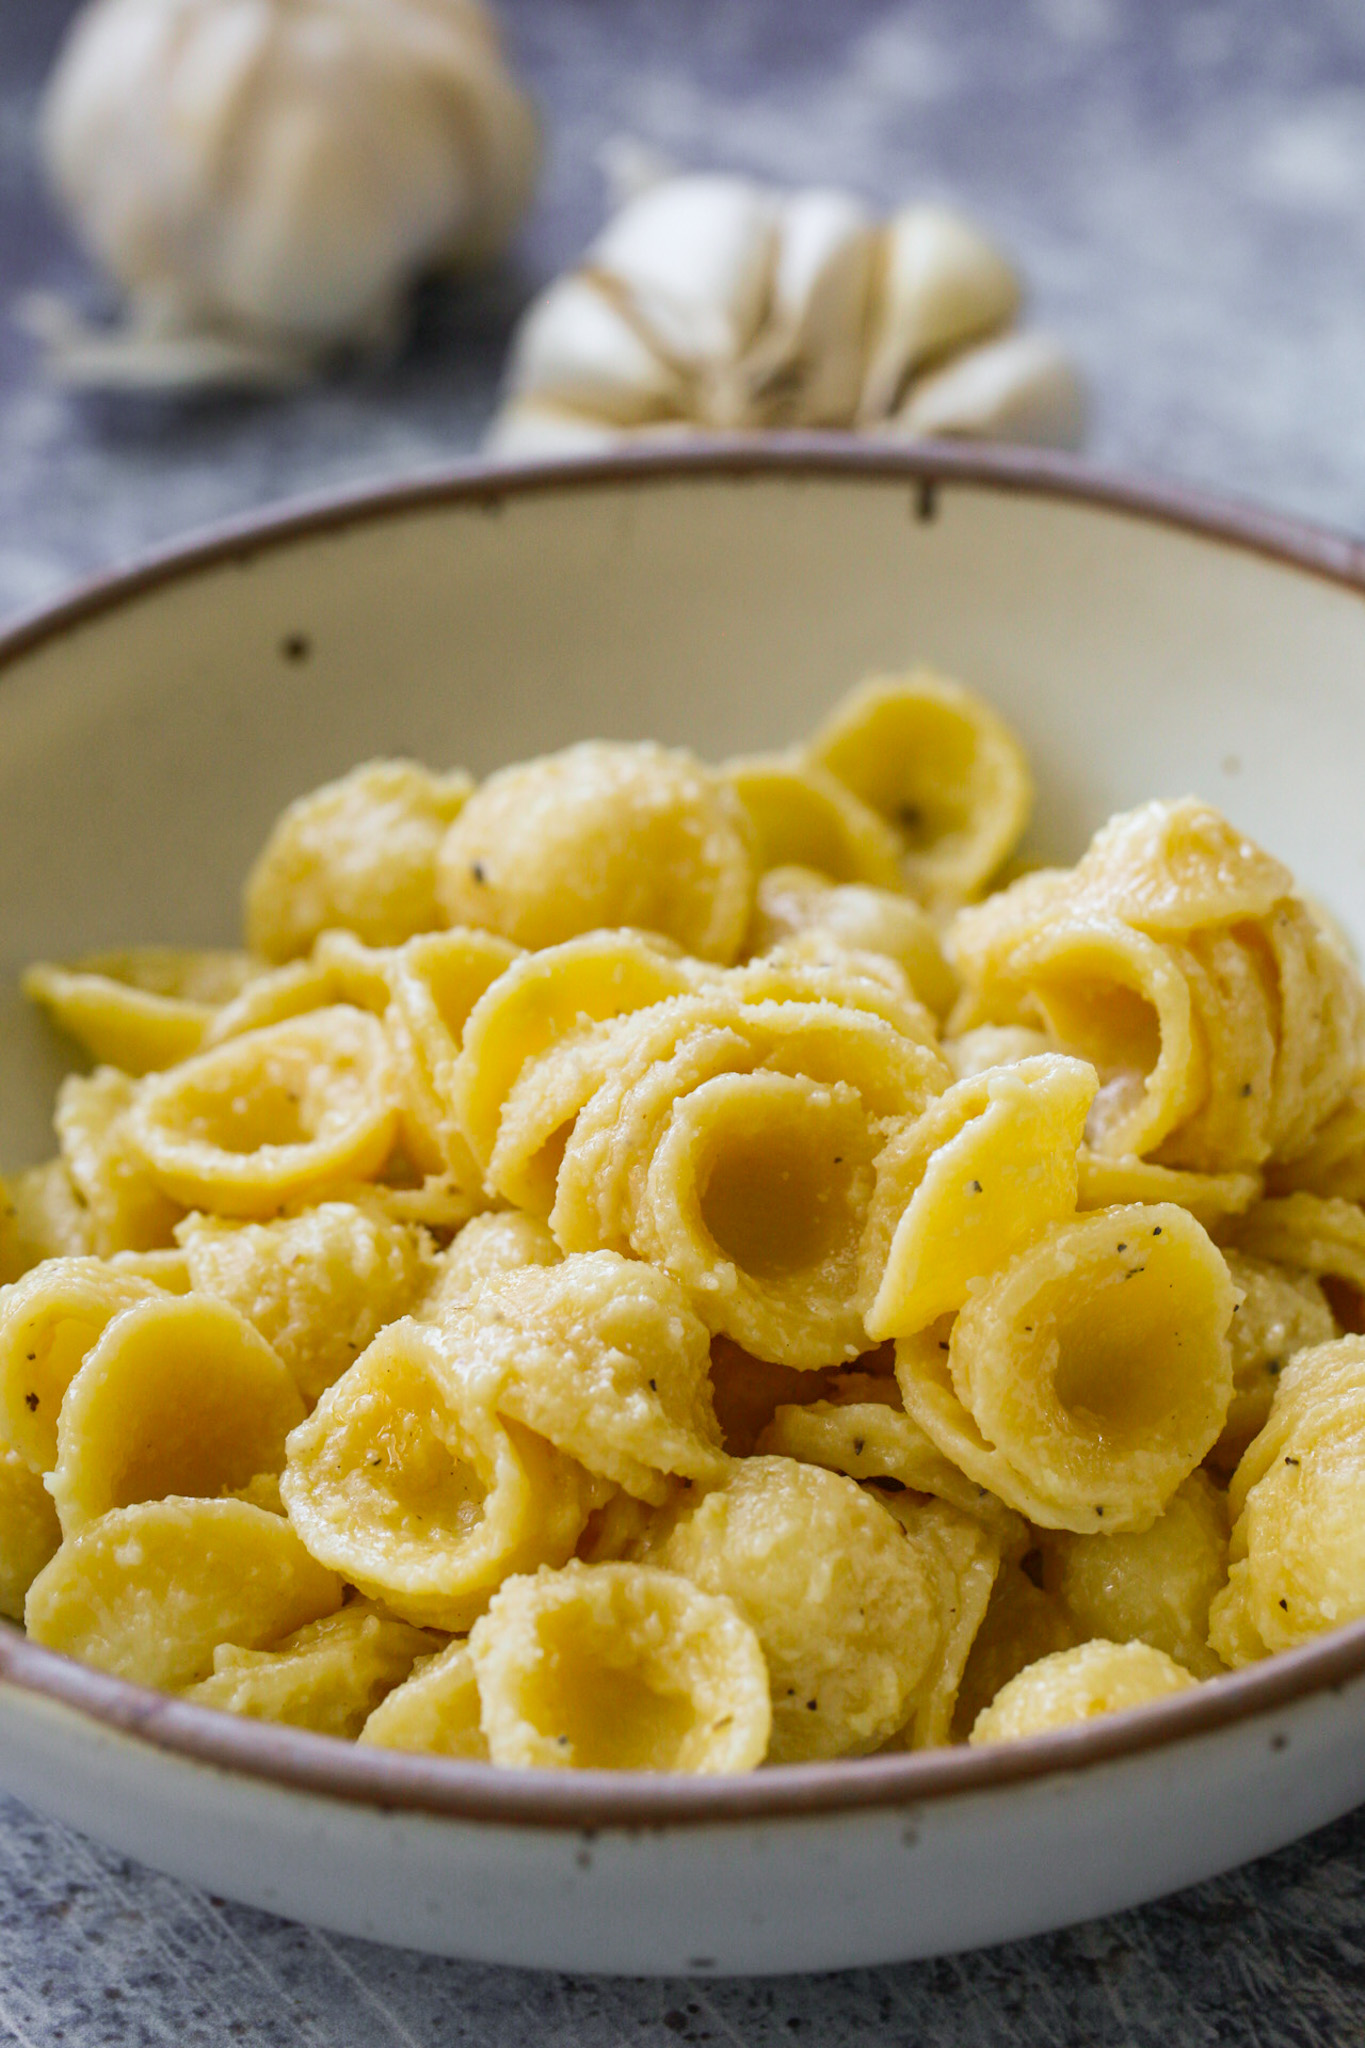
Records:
x=1144, y=644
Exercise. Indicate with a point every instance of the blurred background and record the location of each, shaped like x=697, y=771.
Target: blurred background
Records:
x=1182, y=186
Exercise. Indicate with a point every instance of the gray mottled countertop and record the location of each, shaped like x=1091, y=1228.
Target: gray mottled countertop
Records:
x=1185, y=184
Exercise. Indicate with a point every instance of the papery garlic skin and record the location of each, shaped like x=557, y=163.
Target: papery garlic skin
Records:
x=265, y=178
x=712, y=301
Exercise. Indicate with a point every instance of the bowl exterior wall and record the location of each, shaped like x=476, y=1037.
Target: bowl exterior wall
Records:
x=827, y=1892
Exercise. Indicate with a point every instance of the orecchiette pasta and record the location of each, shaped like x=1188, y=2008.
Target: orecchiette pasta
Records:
x=361, y=854
x=654, y=1267
x=619, y=1667
x=1074, y=1686
x=271, y=1117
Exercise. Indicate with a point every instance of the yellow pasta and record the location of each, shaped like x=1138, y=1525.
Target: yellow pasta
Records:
x=1088, y=1377
x=863, y=1430
x=844, y=1607
x=271, y=1117
x=650, y=1266
x=1221, y=1016
x=804, y=817
x=963, y=1561
x=1155, y=1587
x=795, y=902
x=329, y=1675
x=125, y=1208
x=602, y=1357
x=361, y=854
x=1022, y=1624
x=435, y=1710
x=29, y=1531
x=318, y=1286
x=1298, y=1538
x=435, y=983
x=1074, y=1686
x=603, y=835
x=139, y=1010
x=149, y=1592
x=1281, y=1312
x=418, y=1493
x=545, y=998
x=986, y=1169
x=49, y=1322
x=179, y=1396
x=619, y=1667
x=938, y=764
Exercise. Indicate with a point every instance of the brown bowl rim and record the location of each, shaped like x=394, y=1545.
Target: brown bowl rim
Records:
x=590, y=1801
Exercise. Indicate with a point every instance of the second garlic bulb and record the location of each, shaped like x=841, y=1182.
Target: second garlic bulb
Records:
x=712, y=301
x=264, y=178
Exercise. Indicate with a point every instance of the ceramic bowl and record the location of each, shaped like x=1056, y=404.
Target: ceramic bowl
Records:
x=1143, y=645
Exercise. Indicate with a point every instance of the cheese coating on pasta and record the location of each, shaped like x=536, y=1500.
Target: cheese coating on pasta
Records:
x=1073, y=1686
x=603, y=835
x=1089, y=1376
x=619, y=1667
x=654, y=1266
x=846, y=1608
x=359, y=854
x=1298, y=1537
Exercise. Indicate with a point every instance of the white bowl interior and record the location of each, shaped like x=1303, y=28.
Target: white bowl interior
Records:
x=145, y=750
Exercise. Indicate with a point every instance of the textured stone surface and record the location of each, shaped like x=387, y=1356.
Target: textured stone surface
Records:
x=1185, y=185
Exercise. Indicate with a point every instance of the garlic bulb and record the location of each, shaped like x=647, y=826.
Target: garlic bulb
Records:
x=265, y=178
x=712, y=301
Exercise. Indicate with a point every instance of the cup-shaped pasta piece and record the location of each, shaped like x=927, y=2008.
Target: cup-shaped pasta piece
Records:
x=1022, y=1623
x=421, y=1495
x=436, y=982
x=1073, y=1686
x=1275, y=1004
x=666, y=1057
x=340, y=969
x=1298, y=1498
x=603, y=1358
x=488, y=1247
x=49, y=1321
x=318, y=1286
x=795, y=902
x=149, y=1592
x=942, y=768
x=1155, y=1587
x=1281, y=1312
x=603, y=834
x=1115, y=998
x=620, y=1667
x=329, y=1675
x=271, y=1118
x=29, y=1531
x=982, y=1173
x=1106, y=1182
x=1088, y=1377
x=140, y=1010
x=756, y=1199
x=1321, y=1013
x=360, y=854
x=179, y=1396
x=1324, y=1237
x=434, y=1711
x=865, y=1433
x=127, y=1211
x=1172, y=867
x=963, y=1561
x=541, y=1000
x=805, y=817
x=845, y=1609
